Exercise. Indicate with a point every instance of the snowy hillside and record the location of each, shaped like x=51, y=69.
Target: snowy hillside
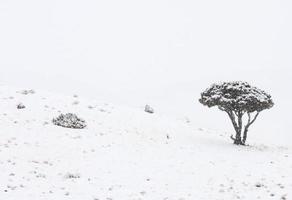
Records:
x=158, y=52
x=127, y=154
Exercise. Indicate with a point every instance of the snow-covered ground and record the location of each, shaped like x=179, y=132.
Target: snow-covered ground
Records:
x=125, y=153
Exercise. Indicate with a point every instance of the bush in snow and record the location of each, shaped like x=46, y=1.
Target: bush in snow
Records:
x=149, y=109
x=237, y=99
x=20, y=106
x=69, y=120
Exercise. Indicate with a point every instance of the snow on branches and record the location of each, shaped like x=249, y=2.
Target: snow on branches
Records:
x=236, y=96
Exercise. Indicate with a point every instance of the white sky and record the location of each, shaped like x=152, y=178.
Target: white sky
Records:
x=156, y=51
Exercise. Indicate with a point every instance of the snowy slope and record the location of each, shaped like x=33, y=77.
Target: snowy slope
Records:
x=126, y=154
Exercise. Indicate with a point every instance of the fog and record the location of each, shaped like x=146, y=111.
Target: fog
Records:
x=163, y=53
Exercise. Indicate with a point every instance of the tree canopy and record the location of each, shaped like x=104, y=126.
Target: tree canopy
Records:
x=236, y=96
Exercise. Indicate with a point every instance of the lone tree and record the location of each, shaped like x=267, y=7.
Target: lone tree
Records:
x=237, y=99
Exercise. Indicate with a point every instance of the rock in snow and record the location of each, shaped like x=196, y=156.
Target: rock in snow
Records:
x=20, y=106
x=149, y=109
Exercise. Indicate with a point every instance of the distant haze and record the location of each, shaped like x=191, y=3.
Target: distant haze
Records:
x=159, y=52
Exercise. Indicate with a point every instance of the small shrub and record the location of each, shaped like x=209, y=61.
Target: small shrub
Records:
x=69, y=120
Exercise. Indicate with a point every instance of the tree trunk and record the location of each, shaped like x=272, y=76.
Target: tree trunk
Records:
x=244, y=135
x=237, y=124
x=239, y=129
x=237, y=139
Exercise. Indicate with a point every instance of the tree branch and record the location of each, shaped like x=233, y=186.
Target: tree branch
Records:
x=249, y=123
x=255, y=117
x=236, y=126
x=232, y=118
x=239, y=115
x=248, y=114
